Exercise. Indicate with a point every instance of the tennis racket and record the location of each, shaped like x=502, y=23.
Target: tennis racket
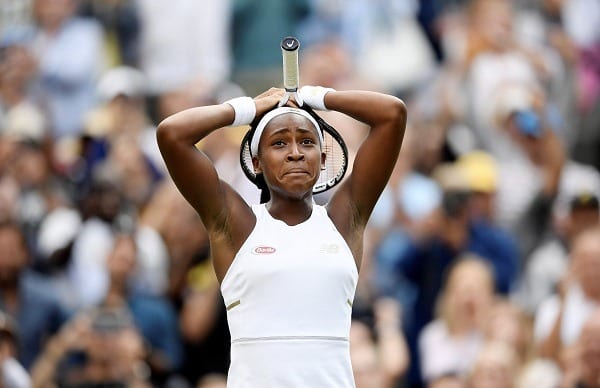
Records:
x=336, y=161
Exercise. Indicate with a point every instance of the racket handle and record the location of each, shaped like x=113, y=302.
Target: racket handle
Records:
x=289, y=52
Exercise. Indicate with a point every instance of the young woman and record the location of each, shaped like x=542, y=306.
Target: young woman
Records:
x=288, y=268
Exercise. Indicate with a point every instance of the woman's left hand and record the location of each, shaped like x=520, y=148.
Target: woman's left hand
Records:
x=268, y=100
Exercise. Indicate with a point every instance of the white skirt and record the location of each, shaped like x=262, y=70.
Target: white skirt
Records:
x=290, y=362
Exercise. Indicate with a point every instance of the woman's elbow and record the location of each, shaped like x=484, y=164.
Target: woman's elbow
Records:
x=398, y=111
x=165, y=132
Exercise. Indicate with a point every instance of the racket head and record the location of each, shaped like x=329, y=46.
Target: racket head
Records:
x=334, y=146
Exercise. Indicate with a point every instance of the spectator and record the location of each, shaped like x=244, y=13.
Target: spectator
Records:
x=379, y=355
x=153, y=317
x=550, y=261
x=203, y=322
x=258, y=26
x=101, y=204
x=589, y=352
x=421, y=261
x=212, y=381
x=12, y=374
x=100, y=348
x=126, y=318
x=122, y=25
x=451, y=343
x=506, y=323
x=183, y=42
x=494, y=48
x=496, y=366
x=23, y=295
x=20, y=115
x=560, y=318
x=66, y=81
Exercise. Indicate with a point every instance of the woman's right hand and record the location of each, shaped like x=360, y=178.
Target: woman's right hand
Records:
x=268, y=100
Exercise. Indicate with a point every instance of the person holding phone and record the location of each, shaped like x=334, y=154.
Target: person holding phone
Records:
x=288, y=268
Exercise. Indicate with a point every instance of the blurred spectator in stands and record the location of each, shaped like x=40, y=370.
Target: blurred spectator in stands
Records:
x=450, y=380
x=23, y=131
x=95, y=348
x=540, y=373
x=101, y=204
x=414, y=260
x=154, y=317
x=373, y=33
x=151, y=318
x=212, y=381
x=66, y=82
x=587, y=369
x=121, y=22
x=184, y=42
x=203, y=322
x=451, y=343
x=549, y=262
x=12, y=374
x=560, y=318
x=54, y=247
x=194, y=290
x=24, y=296
x=408, y=212
x=20, y=115
x=481, y=177
x=187, y=243
x=32, y=172
x=376, y=32
x=575, y=33
x=541, y=173
x=378, y=352
x=257, y=26
x=122, y=91
x=15, y=14
x=496, y=366
x=493, y=48
x=508, y=324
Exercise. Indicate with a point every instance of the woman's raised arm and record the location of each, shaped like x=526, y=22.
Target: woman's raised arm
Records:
x=377, y=155
x=191, y=170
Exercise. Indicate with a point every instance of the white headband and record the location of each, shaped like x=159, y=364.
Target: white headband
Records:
x=270, y=116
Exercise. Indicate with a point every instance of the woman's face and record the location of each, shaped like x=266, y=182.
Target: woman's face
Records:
x=290, y=156
x=470, y=291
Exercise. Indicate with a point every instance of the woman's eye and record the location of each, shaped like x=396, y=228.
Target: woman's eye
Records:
x=278, y=143
x=308, y=141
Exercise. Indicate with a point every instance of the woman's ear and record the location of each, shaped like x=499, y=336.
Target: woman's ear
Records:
x=256, y=165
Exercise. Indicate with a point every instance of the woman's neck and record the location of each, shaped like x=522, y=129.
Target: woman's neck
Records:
x=289, y=211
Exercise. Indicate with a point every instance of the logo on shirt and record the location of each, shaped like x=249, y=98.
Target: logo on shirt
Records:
x=263, y=250
x=330, y=248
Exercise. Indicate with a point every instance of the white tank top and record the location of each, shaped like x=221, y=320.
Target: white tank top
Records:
x=289, y=294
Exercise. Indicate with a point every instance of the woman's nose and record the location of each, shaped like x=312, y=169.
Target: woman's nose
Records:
x=295, y=153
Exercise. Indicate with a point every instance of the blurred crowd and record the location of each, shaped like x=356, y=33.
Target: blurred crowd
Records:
x=482, y=258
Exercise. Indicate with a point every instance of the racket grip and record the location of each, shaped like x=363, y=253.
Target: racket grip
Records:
x=289, y=52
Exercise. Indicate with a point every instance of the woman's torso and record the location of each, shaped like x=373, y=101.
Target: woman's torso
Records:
x=289, y=293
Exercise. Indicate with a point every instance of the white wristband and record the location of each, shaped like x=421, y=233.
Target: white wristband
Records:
x=244, y=108
x=314, y=96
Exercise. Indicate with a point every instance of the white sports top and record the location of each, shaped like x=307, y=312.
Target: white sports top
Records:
x=289, y=294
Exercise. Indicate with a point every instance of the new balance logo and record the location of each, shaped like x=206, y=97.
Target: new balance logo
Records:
x=329, y=248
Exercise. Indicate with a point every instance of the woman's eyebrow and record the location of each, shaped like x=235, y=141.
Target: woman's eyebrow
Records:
x=307, y=130
x=285, y=130
x=280, y=131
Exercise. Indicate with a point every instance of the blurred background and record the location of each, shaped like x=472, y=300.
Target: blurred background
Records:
x=482, y=258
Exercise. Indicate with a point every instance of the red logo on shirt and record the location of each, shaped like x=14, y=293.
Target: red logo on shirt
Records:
x=263, y=250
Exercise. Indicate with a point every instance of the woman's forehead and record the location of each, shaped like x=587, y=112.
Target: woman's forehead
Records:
x=289, y=120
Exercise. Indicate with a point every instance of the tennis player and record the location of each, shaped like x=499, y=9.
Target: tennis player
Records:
x=288, y=268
